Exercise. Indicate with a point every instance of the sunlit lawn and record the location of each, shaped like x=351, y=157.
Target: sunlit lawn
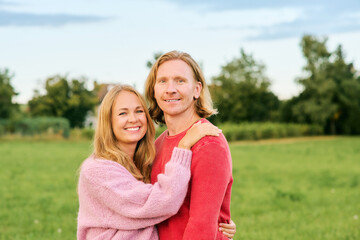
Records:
x=301, y=190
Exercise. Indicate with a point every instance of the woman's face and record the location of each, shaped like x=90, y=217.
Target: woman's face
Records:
x=128, y=119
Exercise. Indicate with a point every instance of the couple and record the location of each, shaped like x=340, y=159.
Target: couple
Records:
x=190, y=174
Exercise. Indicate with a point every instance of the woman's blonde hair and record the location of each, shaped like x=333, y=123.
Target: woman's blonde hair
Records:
x=203, y=105
x=105, y=145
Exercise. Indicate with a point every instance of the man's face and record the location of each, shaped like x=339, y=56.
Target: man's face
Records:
x=175, y=88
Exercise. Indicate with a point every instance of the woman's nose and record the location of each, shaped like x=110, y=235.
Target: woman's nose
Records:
x=132, y=117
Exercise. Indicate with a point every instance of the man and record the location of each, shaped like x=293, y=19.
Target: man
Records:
x=179, y=97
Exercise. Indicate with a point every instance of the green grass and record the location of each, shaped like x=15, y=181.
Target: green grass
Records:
x=299, y=190
x=302, y=190
x=38, y=189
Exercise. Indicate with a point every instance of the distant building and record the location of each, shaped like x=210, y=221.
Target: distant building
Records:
x=91, y=117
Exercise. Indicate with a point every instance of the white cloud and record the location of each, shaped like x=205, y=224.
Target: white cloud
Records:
x=251, y=18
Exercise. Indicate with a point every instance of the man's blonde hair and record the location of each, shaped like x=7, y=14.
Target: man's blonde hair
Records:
x=203, y=105
x=105, y=143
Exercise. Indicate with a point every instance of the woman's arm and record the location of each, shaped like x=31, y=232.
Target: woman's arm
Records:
x=108, y=191
x=196, y=132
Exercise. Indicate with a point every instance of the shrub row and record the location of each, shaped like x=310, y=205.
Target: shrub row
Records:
x=35, y=126
x=257, y=131
x=82, y=133
x=6, y=126
x=232, y=132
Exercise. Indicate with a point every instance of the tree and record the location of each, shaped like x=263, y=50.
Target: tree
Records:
x=315, y=105
x=346, y=120
x=151, y=62
x=241, y=92
x=64, y=98
x=331, y=95
x=7, y=92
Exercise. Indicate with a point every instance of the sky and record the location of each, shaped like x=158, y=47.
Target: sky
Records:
x=110, y=41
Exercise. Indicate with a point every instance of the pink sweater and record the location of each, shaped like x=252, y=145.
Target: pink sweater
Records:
x=114, y=205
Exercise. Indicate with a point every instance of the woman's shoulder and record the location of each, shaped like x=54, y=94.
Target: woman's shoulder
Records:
x=94, y=166
x=93, y=161
x=102, y=174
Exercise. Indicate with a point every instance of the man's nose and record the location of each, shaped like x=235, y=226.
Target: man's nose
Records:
x=171, y=87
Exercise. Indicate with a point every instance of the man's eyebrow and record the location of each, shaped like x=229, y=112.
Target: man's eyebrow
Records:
x=175, y=77
x=180, y=77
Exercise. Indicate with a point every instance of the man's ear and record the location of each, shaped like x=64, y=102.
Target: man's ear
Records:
x=197, y=91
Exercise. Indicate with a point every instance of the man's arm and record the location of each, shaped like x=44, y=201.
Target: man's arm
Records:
x=211, y=173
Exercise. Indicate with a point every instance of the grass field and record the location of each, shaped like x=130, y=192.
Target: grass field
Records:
x=308, y=189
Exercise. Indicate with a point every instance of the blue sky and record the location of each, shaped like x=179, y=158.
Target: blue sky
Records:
x=110, y=41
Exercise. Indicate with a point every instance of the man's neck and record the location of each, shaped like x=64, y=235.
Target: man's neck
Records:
x=178, y=124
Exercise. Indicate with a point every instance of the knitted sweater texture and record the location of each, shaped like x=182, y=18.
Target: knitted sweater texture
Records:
x=115, y=205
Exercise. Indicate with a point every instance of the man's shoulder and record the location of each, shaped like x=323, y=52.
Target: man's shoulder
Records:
x=211, y=142
x=214, y=150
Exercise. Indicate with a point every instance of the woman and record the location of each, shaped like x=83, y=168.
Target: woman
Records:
x=115, y=197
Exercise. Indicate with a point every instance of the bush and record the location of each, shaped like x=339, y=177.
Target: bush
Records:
x=87, y=133
x=2, y=130
x=6, y=126
x=159, y=130
x=82, y=133
x=256, y=131
x=40, y=125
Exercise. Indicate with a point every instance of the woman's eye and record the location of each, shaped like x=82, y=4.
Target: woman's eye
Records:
x=122, y=113
x=139, y=111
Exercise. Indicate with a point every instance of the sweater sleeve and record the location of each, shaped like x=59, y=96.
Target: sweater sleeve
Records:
x=138, y=204
x=211, y=172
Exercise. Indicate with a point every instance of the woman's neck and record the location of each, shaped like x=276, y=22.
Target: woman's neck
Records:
x=129, y=149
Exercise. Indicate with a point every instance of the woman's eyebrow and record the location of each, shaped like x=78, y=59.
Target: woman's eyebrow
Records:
x=125, y=108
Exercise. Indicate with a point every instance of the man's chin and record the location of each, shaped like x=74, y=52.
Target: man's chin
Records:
x=172, y=113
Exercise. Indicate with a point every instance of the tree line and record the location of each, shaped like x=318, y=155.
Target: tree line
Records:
x=330, y=95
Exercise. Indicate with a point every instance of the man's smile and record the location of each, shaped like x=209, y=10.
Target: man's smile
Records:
x=172, y=100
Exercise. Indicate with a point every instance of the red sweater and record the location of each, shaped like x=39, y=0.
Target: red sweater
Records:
x=207, y=202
